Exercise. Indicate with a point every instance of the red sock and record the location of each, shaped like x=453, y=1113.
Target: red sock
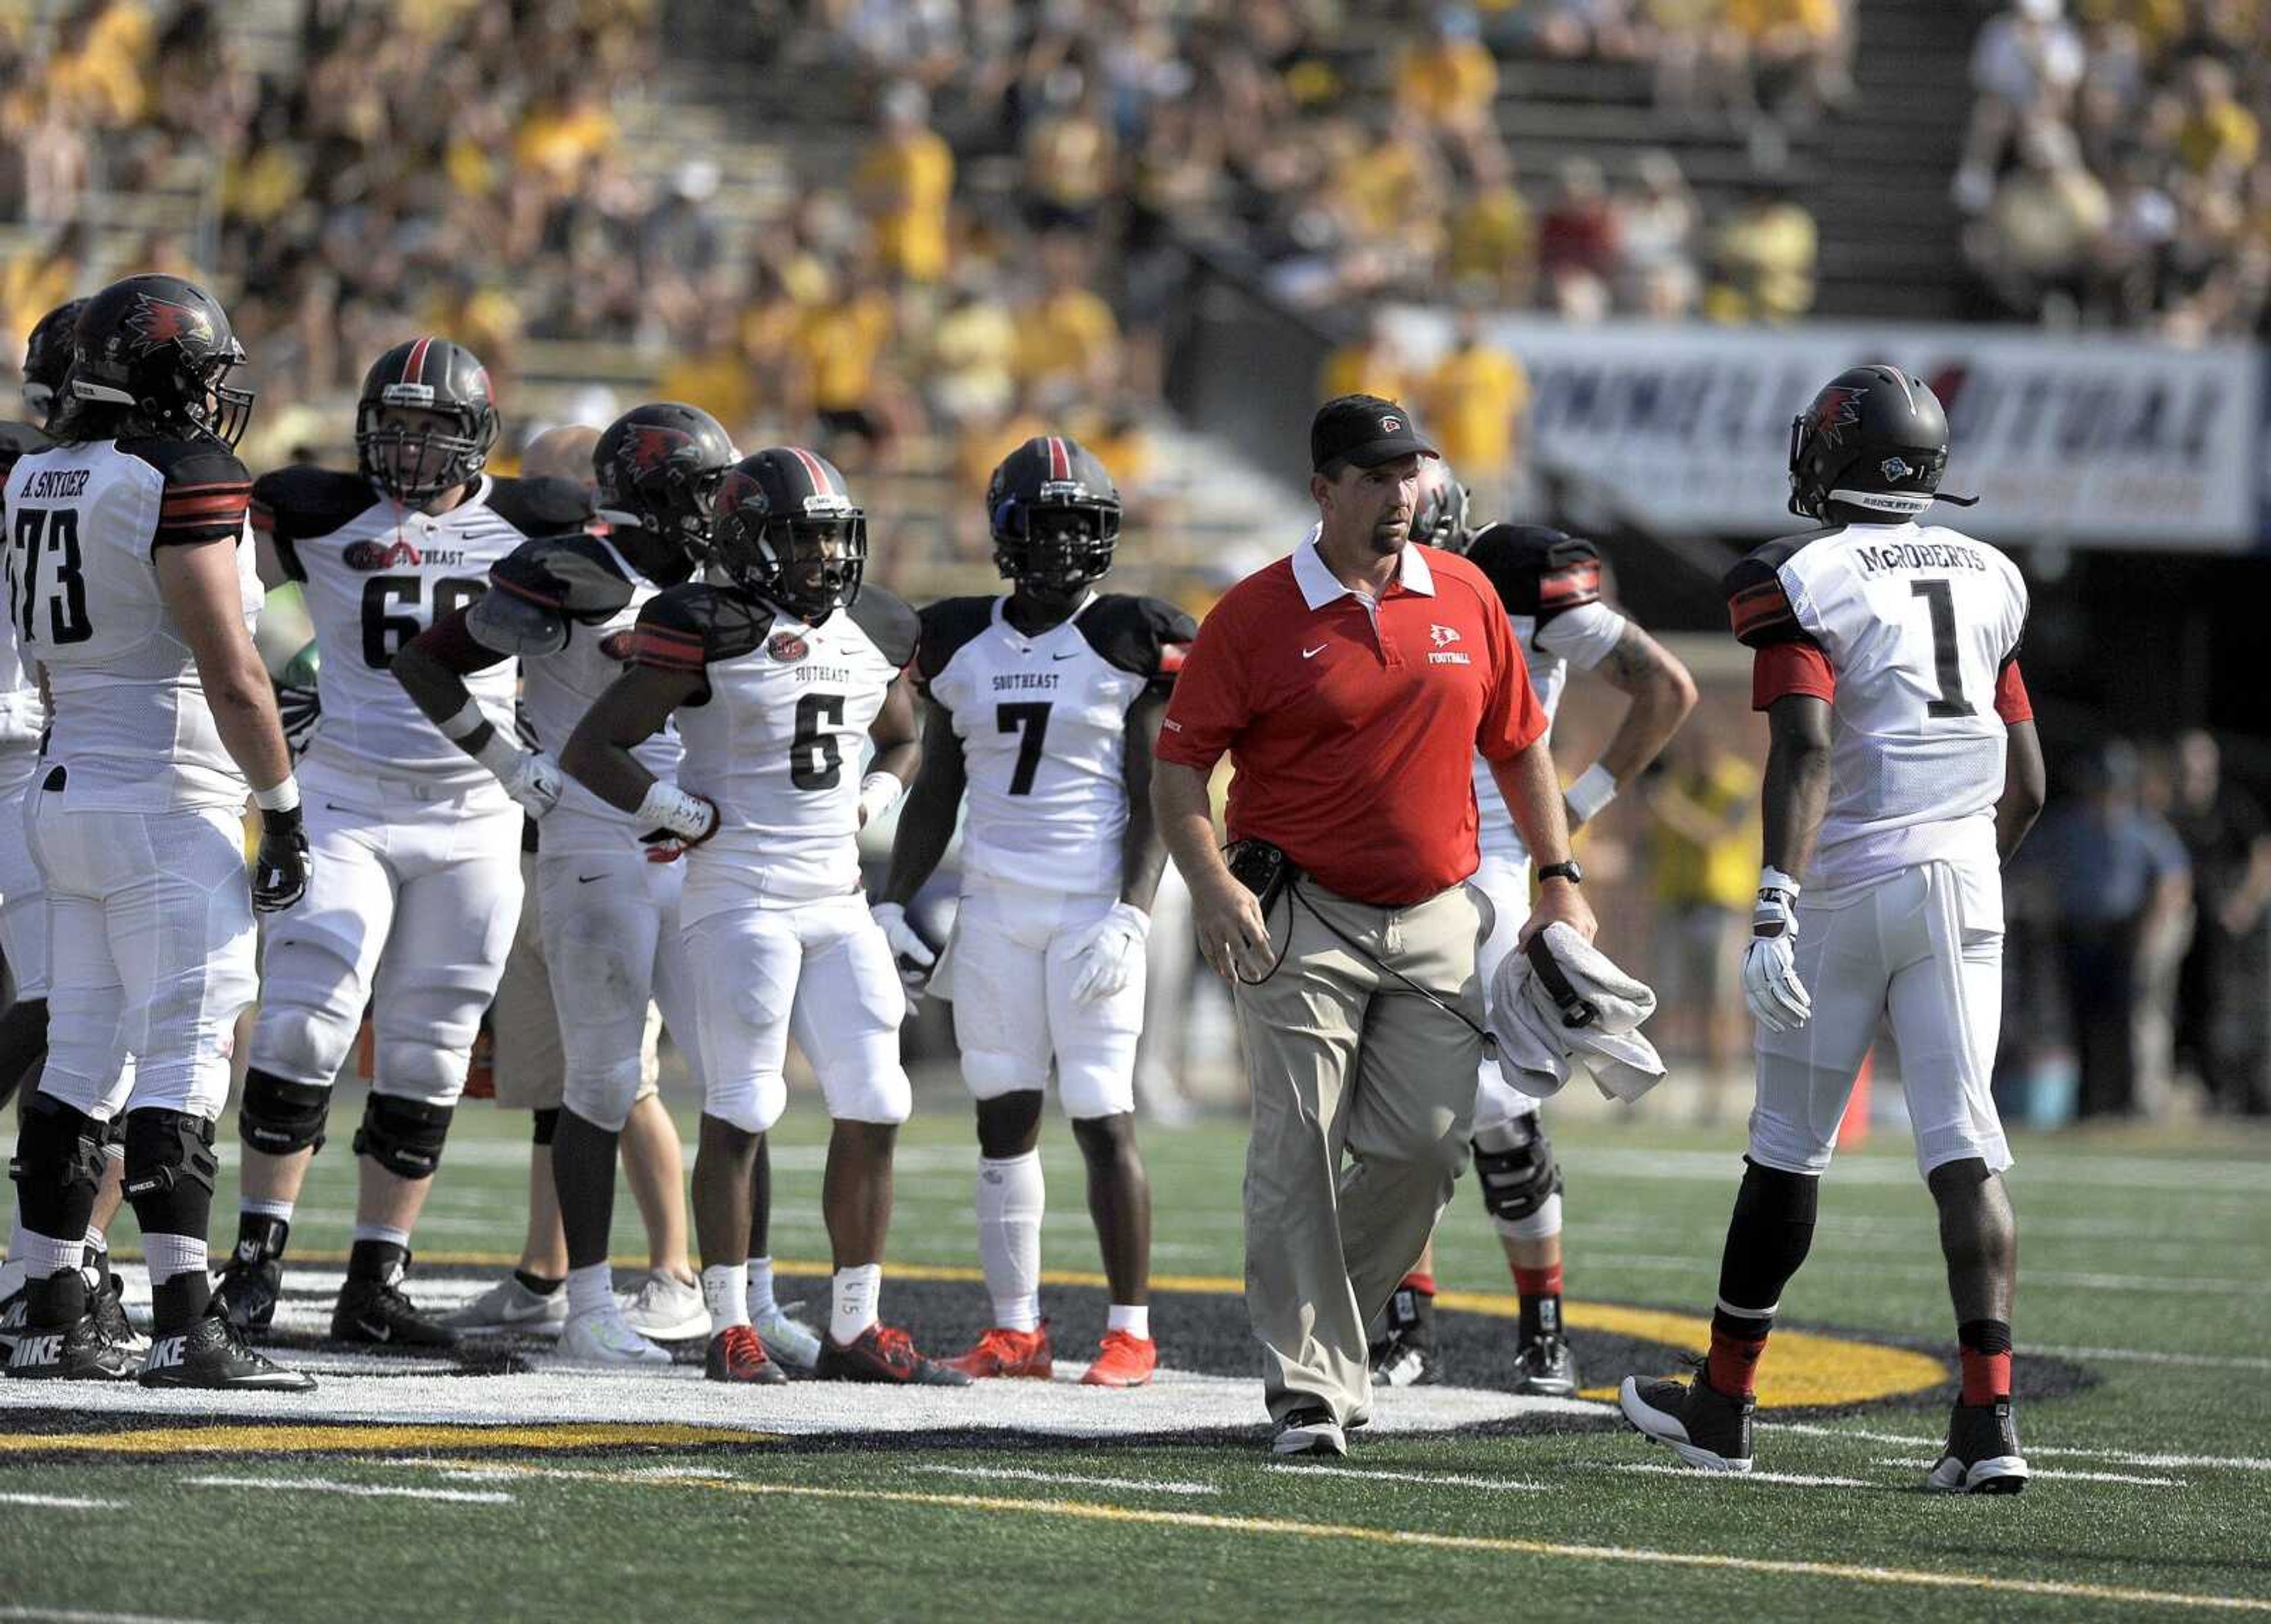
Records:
x=1984, y=1347
x=1545, y=1281
x=1417, y=1282
x=1733, y=1366
x=1540, y=1290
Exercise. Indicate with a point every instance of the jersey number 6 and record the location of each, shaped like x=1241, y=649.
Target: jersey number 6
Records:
x=815, y=761
x=384, y=633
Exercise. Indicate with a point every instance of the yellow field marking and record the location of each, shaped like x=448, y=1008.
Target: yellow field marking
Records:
x=325, y=1438
x=1094, y=1511
x=1805, y=1369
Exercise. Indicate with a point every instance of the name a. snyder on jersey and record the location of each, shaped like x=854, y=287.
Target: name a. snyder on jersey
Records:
x=56, y=484
x=1876, y=561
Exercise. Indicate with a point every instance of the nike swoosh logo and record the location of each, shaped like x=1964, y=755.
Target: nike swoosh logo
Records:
x=1074, y=655
x=1312, y=653
x=376, y=1333
x=586, y=879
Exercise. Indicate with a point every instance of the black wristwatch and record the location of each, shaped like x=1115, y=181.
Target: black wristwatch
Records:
x=1569, y=871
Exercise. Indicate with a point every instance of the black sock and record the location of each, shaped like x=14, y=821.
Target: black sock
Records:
x=56, y=1302
x=180, y=1302
x=543, y=1285
x=377, y=1259
x=260, y=1238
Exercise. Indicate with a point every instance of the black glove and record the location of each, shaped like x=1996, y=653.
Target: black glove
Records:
x=279, y=872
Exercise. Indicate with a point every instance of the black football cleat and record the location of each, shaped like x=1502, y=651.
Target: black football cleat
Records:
x=248, y=1291
x=15, y=1315
x=379, y=1313
x=883, y=1354
x=1705, y=1428
x=212, y=1353
x=107, y=1308
x=1983, y=1452
x=75, y=1352
x=1546, y=1368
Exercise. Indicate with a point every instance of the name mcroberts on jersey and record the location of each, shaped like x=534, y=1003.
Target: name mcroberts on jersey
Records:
x=1918, y=555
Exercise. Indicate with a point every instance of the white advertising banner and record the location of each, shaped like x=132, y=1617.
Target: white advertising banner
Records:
x=2075, y=439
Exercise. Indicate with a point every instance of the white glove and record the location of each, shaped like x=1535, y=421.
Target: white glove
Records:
x=1770, y=983
x=533, y=778
x=908, y=952
x=1107, y=955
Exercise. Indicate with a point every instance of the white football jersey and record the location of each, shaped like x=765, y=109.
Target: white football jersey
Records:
x=1551, y=586
x=777, y=736
x=567, y=605
x=376, y=574
x=131, y=725
x=1043, y=722
x=1918, y=623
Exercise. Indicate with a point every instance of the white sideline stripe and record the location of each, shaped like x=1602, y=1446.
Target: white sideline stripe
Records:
x=2040, y=1167
x=1205, y=1521
x=1658, y=1469
x=2120, y=1457
x=1155, y=1486
x=1431, y=1479
x=2155, y=1356
x=72, y=1615
x=1671, y=1261
x=2059, y=1473
x=61, y=1502
x=324, y=1486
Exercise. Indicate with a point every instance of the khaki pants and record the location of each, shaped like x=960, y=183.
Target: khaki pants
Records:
x=1343, y=1057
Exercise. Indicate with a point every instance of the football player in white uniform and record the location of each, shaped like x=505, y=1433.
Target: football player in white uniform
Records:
x=566, y=606
x=1904, y=771
x=778, y=675
x=23, y=898
x=418, y=846
x=1042, y=704
x=132, y=591
x=1550, y=583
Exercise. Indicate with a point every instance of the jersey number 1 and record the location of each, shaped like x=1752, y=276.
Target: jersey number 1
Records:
x=66, y=593
x=1940, y=599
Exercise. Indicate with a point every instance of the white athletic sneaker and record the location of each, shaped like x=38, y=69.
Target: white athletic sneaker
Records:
x=508, y=1305
x=790, y=1343
x=666, y=1309
x=601, y=1337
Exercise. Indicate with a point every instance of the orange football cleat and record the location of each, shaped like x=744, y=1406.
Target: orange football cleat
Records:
x=1001, y=1352
x=1125, y=1361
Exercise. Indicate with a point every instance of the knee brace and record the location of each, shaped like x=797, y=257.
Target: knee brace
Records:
x=57, y=1165
x=1767, y=1238
x=170, y=1167
x=278, y=1116
x=1515, y=1169
x=405, y=1136
x=547, y=1124
x=23, y=1045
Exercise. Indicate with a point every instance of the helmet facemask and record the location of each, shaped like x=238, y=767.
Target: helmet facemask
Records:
x=811, y=565
x=405, y=449
x=1059, y=546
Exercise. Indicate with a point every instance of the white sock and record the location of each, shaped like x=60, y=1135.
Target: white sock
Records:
x=266, y=1206
x=1011, y=1197
x=16, y=1239
x=762, y=1305
x=97, y=1246
x=96, y=1240
x=859, y=1295
x=44, y=1256
x=11, y=1272
x=172, y=1255
x=591, y=1290
x=383, y=1231
x=1134, y=1318
x=725, y=1289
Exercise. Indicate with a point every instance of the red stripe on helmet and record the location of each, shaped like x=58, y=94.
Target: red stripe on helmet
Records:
x=816, y=468
x=413, y=367
x=1060, y=462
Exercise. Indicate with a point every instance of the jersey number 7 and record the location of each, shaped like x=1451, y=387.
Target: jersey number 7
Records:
x=1031, y=723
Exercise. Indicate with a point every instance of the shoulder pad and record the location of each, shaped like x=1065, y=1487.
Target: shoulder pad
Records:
x=303, y=502
x=17, y=440
x=692, y=626
x=890, y=625
x=1538, y=572
x=949, y=625
x=1143, y=635
x=206, y=492
x=571, y=575
x=1758, y=607
x=540, y=507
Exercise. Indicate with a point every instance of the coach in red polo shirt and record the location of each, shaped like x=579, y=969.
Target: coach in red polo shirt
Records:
x=1351, y=685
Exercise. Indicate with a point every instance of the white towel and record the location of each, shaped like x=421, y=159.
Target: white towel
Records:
x=1538, y=1043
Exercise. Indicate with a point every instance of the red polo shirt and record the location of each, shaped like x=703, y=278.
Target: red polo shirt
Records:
x=1352, y=726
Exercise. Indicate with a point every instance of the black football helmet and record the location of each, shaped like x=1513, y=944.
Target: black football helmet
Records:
x=1055, y=514
x=161, y=348
x=657, y=466
x=785, y=528
x=1874, y=439
x=48, y=358
x=431, y=375
x=1440, y=517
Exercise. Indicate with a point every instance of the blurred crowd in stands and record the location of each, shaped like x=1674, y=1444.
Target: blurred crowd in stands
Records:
x=2115, y=170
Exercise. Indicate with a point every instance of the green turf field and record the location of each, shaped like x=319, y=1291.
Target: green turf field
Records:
x=2144, y=1294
